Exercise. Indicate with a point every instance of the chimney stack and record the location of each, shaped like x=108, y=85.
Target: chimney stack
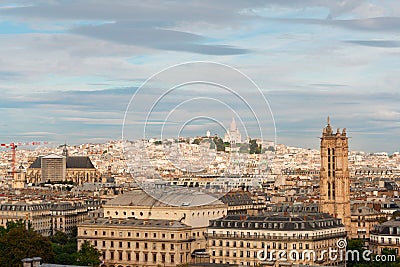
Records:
x=27, y=262
x=36, y=261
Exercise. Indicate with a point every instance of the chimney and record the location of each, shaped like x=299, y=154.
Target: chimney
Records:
x=27, y=262
x=36, y=261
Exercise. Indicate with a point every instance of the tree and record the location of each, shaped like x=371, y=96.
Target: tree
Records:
x=219, y=143
x=196, y=141
x=17, y=243
x=64, y=247
x=88, y=255
x=254, y=147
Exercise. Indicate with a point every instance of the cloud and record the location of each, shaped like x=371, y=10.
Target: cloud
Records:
x=379, y=24
x=376, y=43
x=163, y=39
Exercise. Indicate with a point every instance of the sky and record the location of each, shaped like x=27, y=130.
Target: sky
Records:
x=70, y=69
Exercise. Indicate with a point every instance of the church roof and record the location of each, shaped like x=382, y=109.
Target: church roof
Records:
x=73, y=162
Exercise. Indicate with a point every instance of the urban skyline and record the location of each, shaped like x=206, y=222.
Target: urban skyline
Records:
x=74, y=69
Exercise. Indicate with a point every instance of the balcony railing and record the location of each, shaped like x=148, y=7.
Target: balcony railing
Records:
x=271, y=237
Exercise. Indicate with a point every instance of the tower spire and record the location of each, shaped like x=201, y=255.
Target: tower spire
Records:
x=329, y=121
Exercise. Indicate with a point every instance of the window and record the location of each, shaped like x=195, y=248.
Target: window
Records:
x=128, y=244
x=95, y=232
x=163, y=246
x=120, y=255
x=112, y=244
x=172, y=246
x=146, y=257
x=120, y=244
x=137, y=244
x=163, y=258
x=154, y=257
x=128, y=256
x=145, y=245
x=172, y=258
x=145, y=235
x=111, y=255
x=172, y=236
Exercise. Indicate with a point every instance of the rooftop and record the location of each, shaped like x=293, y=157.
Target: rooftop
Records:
x=150, y=223
x=171, y=196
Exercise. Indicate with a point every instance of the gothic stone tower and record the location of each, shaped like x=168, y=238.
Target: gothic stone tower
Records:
x=334, y=175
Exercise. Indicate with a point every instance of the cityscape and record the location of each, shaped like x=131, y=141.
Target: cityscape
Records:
x=199, y=133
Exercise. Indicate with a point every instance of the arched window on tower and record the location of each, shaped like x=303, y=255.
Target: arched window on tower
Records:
x=333, y=190
x=329, y=190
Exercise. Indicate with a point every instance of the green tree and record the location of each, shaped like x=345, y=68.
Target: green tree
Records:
x=18, y=243
x=88, y=255
x=254, y=148
x=219, y=143
x=64, y=247
x=196, y=141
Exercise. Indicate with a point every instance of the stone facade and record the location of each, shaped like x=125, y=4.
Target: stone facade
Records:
x=275, y=239
x=334, y=175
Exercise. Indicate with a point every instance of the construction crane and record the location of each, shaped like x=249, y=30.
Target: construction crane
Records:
x=14, y=146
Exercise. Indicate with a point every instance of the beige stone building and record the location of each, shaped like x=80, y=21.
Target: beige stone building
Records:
x=140, y=242
x=45, y=218
x=386, y=236
x=275, y=239
x=363, y=221
x=334, y=175
x=155, y=229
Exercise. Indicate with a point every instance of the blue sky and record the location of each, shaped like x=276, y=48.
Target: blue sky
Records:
x=69, y=68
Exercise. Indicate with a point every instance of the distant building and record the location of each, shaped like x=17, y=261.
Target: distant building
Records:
x=55, y=168
x=19, y=178
x=363, y=221
x=233, y=135
x=334, y=175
